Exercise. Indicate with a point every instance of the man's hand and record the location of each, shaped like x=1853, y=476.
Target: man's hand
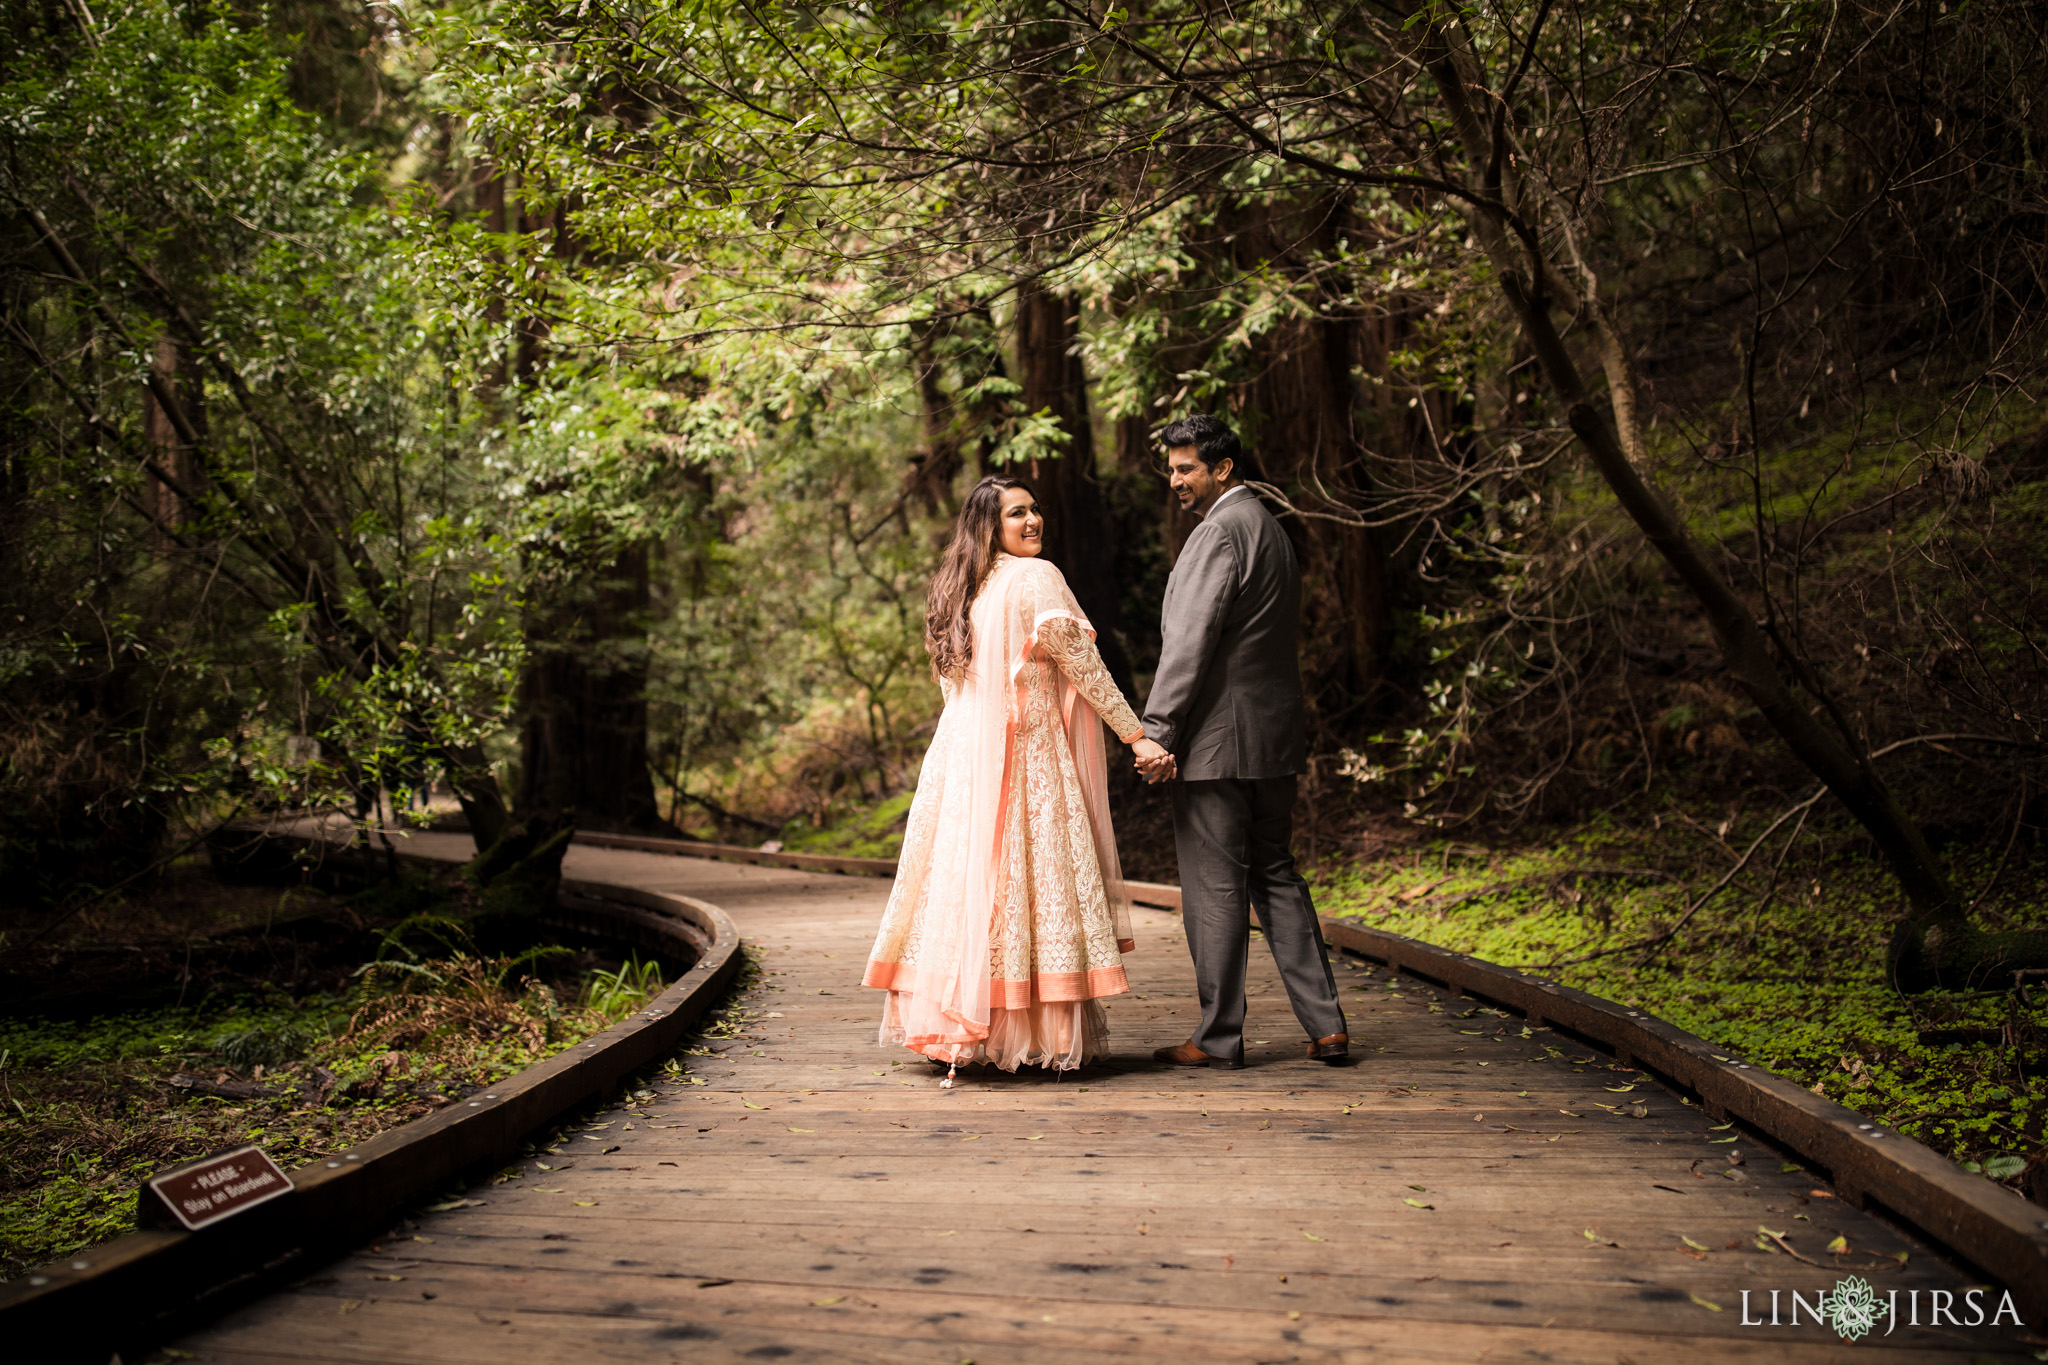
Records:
x=1152, y=759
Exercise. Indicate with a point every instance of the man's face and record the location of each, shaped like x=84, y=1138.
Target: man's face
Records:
x=1196, y=485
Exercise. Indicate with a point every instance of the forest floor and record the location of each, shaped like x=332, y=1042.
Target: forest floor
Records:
x=203, y=1016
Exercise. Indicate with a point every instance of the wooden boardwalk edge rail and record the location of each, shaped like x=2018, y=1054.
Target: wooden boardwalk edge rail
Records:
x=1991, y=1227
x=139, y=1289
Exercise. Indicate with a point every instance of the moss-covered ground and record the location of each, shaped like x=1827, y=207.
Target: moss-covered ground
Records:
x=875, y=831
x=1785, y=969
x=93, y=1109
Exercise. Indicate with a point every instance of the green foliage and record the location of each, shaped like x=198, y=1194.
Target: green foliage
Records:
x=89, y=1115
x=790, y=674
x=618, y=993
x=876, y=832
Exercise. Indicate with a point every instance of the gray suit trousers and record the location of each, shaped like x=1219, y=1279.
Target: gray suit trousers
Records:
x=1235, y=841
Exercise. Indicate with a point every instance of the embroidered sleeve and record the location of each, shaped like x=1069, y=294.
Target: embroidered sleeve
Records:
x=1063, y=641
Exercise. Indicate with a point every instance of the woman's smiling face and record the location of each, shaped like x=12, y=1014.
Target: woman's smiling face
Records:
x=1023, y=526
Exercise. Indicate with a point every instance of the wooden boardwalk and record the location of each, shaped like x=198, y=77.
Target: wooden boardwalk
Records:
x=1462, y=1193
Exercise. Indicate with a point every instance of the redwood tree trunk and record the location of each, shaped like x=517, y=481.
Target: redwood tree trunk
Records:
x=583, y=703
x=1076, y=521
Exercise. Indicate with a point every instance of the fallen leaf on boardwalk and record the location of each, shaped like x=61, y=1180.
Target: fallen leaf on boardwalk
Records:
x=393, y=1278
x=950, y=1232
x=1722, y=1127
x=1840, y=1246
x=1593, y=1235
x=1696, y=1246
x=1638, y=1111
x=972, y=1137
x=1898, y=1256
x=1706, y=1303
x=1144, y=1229
x=585, y=1203
x=1789, y=1167
x=1420, y=1189
x=1618, y=1089
x=1569, y=1114
x=608, y=1151
x=1035, y=1137
x=1696, y=1255
x=1313, y=1238
x=803, y=1130
x=827, y=1303
x=1725, y=1139
x=1417, y=1204
x=540, y=1189
x=448, y=1204
x=351, y=1305
x=1820, y=1194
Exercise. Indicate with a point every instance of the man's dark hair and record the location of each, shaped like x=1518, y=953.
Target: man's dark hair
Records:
x=1214, y=442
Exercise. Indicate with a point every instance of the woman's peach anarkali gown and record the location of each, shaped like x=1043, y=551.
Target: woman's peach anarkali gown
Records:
x=1006, y=924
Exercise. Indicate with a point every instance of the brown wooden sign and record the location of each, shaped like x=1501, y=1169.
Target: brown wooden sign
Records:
x=210, y=1190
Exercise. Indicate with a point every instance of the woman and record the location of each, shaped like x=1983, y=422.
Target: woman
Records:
x=1007, y=918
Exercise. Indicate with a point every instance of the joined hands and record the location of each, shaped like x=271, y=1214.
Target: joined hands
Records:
x=1153, y=761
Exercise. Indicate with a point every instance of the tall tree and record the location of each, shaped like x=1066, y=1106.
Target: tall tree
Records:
x=1054, y=382
x=1556, y=169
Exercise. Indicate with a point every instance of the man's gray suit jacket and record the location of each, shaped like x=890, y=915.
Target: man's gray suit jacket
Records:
x=1226, y=701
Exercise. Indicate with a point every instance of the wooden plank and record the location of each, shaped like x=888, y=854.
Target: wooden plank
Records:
x=1965, y=1212
x=767, y=1320
x=831, y=1237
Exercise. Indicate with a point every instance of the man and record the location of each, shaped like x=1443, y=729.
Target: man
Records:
x=1226, y=703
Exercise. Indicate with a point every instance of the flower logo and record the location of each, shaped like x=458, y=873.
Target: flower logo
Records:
x=1853, y=1309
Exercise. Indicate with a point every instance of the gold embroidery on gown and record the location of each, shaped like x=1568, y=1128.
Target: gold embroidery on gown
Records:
x=1055, y=936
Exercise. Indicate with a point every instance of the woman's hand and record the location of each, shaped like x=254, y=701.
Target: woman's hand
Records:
x=1153, y=760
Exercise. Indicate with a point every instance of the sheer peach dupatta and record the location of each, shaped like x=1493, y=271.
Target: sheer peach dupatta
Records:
x=941, y=1005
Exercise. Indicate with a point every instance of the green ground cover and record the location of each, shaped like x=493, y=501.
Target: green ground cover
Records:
x=872, y=832
x=91, y=1109
x=1786, y=971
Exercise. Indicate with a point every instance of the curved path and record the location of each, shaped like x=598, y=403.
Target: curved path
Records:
x=1462, y=1193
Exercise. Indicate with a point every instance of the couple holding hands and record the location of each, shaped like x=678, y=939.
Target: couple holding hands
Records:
x=1006, y=925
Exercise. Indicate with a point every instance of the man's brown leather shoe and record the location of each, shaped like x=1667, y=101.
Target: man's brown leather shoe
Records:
x=1187, y=1054
x=1333, y=1049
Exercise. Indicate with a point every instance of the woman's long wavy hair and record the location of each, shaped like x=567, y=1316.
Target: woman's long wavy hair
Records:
x=977, y=540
